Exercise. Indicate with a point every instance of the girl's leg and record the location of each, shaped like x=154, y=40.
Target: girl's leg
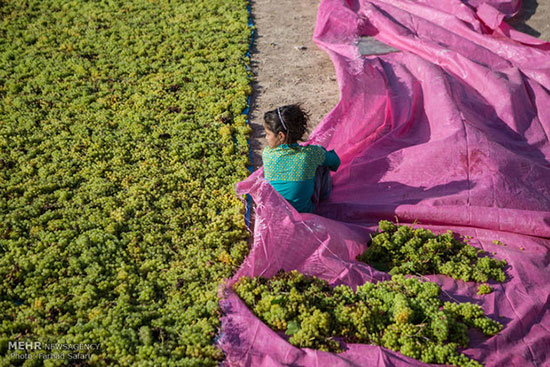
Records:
x=323, y=184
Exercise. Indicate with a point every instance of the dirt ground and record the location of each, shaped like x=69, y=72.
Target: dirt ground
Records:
x=288, y=67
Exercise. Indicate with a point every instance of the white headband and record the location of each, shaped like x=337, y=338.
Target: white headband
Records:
x=281, y=118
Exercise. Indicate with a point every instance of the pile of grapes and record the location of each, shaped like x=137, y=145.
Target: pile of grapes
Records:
x=121, y=138
x=403, y=314
x=400, y=249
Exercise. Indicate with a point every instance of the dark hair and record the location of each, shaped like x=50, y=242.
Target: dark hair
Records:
x=293, y=124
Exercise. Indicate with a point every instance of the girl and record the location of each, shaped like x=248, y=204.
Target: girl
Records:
x=298, y=173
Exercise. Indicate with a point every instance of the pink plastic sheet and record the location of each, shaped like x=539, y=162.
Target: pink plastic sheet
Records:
x=451, y=132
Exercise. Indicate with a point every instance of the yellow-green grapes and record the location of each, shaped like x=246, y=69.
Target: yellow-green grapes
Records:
x=403, y=314
x=121, y=138
x=400, y=249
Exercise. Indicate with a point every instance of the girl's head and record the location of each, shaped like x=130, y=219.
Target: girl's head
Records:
x=285, y=125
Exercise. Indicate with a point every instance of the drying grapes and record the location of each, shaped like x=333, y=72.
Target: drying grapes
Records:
x=400, y=249
x=403, y=314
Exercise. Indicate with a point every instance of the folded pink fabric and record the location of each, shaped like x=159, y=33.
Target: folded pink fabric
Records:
x=453, y=132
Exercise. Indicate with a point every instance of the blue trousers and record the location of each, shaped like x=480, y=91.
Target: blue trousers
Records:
x=323, y=185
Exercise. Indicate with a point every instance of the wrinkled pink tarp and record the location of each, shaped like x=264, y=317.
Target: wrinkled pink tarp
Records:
x=453, y=132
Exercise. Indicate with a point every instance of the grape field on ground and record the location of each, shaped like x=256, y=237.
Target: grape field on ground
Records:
x=121, y=138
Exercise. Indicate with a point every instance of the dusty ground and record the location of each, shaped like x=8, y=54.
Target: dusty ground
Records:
x=288, y=67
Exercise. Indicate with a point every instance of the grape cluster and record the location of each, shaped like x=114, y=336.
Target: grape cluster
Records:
x=473, y=315
x=403, y=314
x=400, y=249
x=484, y=289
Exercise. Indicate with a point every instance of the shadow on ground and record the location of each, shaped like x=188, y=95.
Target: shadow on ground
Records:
x=528, y=8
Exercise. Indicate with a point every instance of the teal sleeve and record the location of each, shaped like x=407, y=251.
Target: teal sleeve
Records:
x=332, y=160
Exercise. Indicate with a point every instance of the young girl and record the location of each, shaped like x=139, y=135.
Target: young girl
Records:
x=298, y=173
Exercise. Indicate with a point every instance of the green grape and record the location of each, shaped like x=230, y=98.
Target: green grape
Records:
x=398, y=249
x=387, y=226
x=484, y=289
x=403, y=314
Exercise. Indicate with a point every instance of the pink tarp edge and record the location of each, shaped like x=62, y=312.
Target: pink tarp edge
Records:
x=452, y=132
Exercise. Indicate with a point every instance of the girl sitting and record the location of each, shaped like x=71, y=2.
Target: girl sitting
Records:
x=299, y=173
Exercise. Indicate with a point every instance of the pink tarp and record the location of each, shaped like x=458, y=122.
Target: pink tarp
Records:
x=452, y=132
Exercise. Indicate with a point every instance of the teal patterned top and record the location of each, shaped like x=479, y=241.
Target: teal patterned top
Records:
x=290, y=169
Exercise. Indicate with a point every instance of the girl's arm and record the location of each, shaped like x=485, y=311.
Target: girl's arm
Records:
x=332, y=160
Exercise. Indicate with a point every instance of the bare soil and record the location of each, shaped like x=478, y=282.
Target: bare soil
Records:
x=287, y=66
